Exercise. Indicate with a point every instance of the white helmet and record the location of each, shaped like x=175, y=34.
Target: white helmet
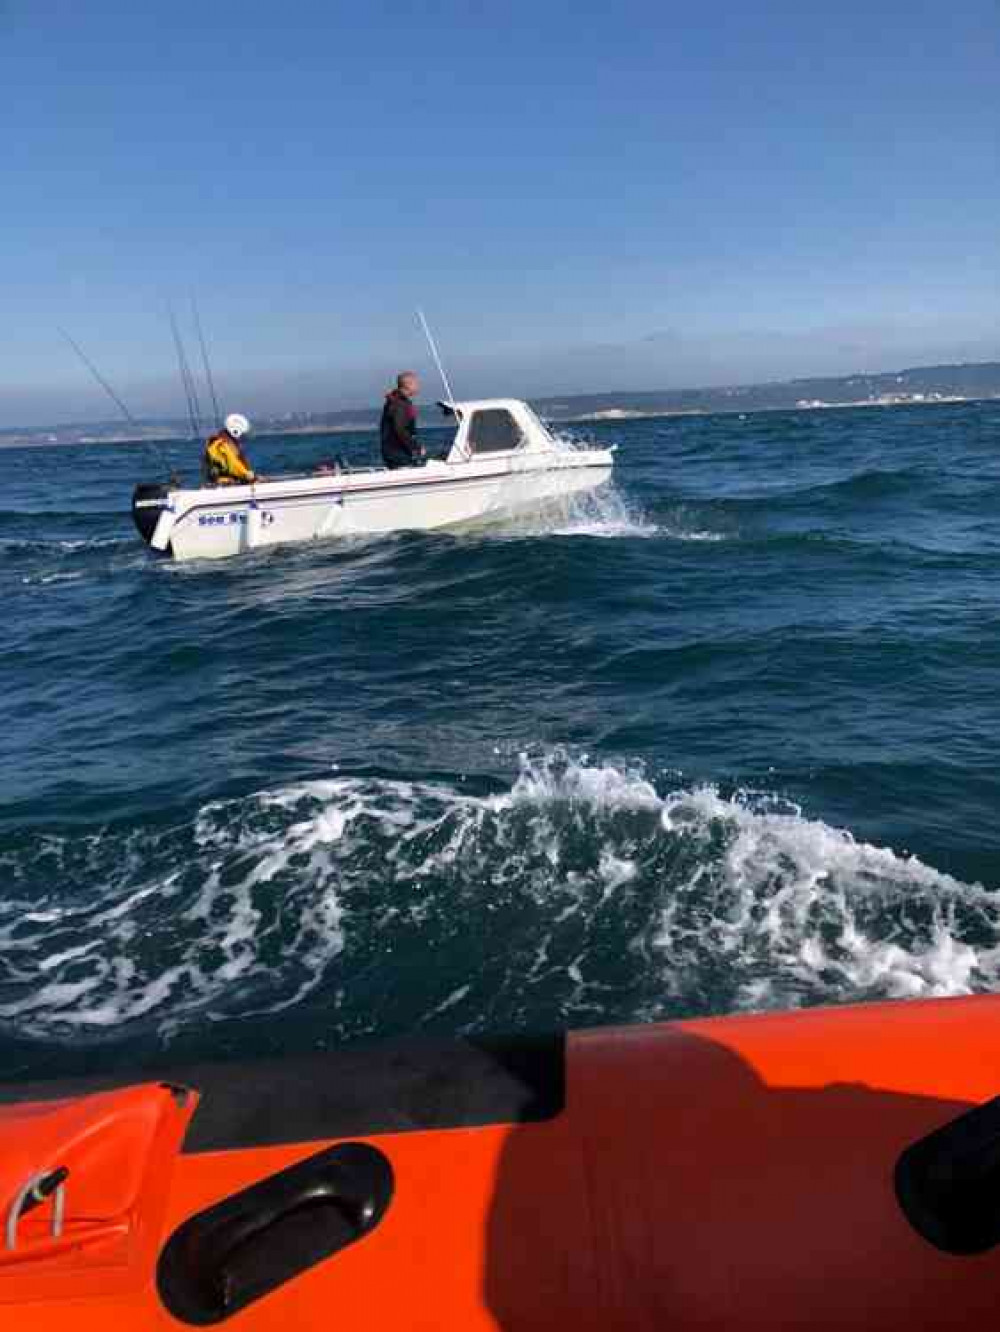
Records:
x=237, y=425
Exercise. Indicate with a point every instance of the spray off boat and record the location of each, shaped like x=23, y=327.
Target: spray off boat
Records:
x=502, y=460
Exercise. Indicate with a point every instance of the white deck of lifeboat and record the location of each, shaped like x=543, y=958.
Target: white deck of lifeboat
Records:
x=502, y=460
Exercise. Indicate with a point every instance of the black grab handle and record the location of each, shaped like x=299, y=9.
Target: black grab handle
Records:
x=948, y=1184
x=238, y=1251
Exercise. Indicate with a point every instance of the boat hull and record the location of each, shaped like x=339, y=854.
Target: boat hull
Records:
x=716, y=1175
x=213, y=523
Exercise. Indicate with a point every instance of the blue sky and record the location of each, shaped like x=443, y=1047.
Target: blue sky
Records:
x=582, y=196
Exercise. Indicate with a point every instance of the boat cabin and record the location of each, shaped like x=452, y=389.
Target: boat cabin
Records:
x=492, y=426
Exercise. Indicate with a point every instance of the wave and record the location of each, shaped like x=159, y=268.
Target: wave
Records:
x=57, y=545
x=51, y=578
x=45, y=516
x=694, y=522
x=580, y=892
x=864, y=486
x=603, y=513
x=58, y=561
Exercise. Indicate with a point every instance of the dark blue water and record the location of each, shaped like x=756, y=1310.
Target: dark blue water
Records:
x=722, y=738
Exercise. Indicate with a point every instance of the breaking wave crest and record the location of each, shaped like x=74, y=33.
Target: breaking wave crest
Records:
x=579, y=893
x=598, y=513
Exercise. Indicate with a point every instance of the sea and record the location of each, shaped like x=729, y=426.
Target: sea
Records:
x=721, y=737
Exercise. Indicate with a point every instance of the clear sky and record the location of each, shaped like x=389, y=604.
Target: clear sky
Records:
x=642, y=194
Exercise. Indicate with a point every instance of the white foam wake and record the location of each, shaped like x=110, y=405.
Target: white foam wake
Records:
x=603, y=513
x=803, y=912
x=584, y=891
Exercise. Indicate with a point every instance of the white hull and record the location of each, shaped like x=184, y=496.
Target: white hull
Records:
x=214, y=522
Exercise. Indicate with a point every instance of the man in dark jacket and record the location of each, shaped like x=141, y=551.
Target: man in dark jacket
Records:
x=400, y=446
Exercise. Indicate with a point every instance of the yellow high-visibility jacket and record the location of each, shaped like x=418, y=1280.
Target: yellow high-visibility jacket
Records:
x=225, y=464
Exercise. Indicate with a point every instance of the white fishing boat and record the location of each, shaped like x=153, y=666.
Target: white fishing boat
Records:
x=502, y=460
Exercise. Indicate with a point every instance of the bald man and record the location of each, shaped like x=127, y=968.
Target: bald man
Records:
x=400, y=446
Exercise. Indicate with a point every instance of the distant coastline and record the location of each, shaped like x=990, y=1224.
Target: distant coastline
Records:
x=921, y=386
x=918, y=400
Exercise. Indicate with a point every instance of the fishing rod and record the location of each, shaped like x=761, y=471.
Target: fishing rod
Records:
x=187, y=381
x=205, y=362
x=434, y=352
x=151, y=444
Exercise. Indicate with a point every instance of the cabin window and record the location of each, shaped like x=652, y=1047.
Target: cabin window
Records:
x=494, y=431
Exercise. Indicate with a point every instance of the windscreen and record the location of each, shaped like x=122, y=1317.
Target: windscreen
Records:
x=494, y=430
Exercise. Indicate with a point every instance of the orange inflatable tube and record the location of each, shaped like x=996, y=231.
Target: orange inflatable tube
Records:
x=824, y=1169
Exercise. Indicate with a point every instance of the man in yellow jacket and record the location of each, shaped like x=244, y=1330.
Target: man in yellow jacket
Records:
x=225, y=462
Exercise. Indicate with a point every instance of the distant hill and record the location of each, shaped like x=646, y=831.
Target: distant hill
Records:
x=935, y=383
x=938, y=383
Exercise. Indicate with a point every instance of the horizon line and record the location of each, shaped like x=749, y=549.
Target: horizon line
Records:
x=743, y=386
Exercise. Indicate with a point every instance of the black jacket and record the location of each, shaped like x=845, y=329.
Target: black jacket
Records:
x=399, y=431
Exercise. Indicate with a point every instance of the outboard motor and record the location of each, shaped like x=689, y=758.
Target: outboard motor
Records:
x=149, y=499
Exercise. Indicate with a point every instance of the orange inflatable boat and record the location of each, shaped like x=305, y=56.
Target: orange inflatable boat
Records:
x=824, y=1169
